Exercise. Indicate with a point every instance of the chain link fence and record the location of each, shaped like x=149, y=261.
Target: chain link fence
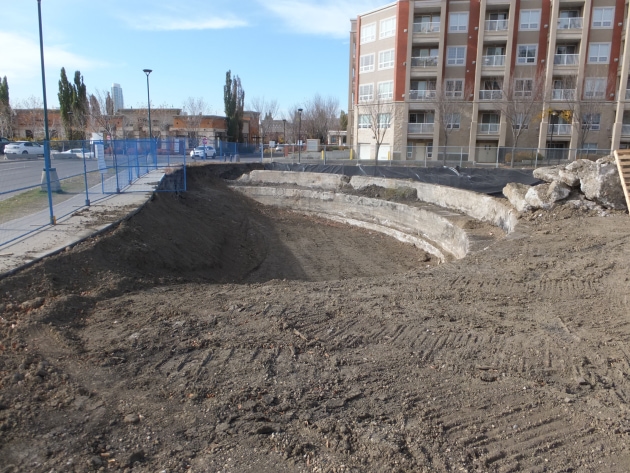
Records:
x=33, y=196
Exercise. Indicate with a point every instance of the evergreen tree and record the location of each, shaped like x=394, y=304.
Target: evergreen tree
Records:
x=234, y=101
x=6, y=115
x=66, y=99
x=80, y=106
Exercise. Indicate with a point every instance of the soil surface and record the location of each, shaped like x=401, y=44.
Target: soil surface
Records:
x=208, y=333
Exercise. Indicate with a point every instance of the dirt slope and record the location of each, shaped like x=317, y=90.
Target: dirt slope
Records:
x=210, y=334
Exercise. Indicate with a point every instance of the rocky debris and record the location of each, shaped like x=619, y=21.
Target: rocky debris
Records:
x=516, y=193
x=598, y=182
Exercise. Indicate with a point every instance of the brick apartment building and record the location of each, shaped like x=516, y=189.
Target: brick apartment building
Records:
x=449, y=70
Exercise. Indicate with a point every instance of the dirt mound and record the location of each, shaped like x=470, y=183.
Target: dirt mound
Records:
x=130, y=353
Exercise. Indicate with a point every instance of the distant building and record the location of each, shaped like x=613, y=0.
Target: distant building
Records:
x=117, y=97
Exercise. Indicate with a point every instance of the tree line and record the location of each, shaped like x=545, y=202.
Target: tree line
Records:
x=81, y=111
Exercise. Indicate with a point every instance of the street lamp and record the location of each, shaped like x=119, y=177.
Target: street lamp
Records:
x=553, y=114
x=300, y=136
x=147, y=72
x=48, y=170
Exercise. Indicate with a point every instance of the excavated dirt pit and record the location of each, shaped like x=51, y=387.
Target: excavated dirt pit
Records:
x=207, y=333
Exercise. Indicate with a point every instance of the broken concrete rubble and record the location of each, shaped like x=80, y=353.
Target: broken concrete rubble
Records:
x=597, y=181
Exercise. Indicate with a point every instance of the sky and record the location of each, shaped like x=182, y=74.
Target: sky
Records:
x=284, y=50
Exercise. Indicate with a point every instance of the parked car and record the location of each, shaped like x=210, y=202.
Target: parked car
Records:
x=24, y=147
x=203, y=152
x=3, y=142
x=78, y=152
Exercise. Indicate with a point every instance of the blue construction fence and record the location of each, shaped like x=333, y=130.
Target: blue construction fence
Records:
x=34, y=193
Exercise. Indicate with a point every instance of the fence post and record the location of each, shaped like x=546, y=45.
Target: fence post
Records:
x=87, y=195
x=461, y=156
x=426, y=154
x=497, y=165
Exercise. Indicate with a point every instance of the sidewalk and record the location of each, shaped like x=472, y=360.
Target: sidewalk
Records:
x=78, y=225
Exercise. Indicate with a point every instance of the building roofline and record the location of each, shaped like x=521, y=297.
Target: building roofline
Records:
x=375, y=10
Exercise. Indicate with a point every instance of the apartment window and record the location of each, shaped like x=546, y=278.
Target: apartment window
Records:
x=368, y=33
x=422, y=117
x=455, y=55
x=386, y=90
x=594, y=87
x=590, y=147
x=364, y=121
x=384, y=120
x=520, y=123
x=458, y=22
x=366, y=63
x=366, y=92
x=526, y=54
x=386, y=59
x=454, y=88
x=603, y=17
x=599, y=53
x=530, y=20
x=591, y=121
x=453, y=121
x=388, y=27
x=523, y=87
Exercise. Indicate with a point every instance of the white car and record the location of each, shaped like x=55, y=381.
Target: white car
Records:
x=203, y=152
x=78, y=152
x=24, y=147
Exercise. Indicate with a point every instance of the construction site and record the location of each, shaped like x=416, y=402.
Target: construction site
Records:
x=278, y=321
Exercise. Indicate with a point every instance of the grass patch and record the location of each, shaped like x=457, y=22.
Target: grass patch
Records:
x=36, y=200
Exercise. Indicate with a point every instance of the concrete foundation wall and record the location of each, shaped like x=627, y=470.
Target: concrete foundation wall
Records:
x=430, y=231
x=303, y=179
x=479, y=206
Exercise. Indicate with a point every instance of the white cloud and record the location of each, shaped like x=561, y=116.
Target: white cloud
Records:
x=167, y=23
x=328, y=18
x=164, y=23
x=21, y=57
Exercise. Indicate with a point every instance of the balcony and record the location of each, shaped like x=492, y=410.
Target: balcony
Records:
x=497, y=25
x=427, y=61
x=493, y=61
x=426, y=28
x=570, y=23
x=625, y=129
x=490, y=94
x=566, y=59
x=421, y=94
x=559, y=129
x=563, y=94
x=420, y=128
x=488, y=128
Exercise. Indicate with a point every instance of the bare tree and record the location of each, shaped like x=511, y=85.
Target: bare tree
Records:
x=163, y=117
x=267, y=110
x=292, y=117
x=320, y=115
x=583, y=110
x=33, y=116
x=376, y=115
x=449, y=102
x=194, y=109
x=100, y=117
x=520, y=104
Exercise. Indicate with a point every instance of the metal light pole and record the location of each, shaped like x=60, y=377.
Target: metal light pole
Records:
x=47, y=168
x=300, y=136
x=147, y=72
x=284, y=132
